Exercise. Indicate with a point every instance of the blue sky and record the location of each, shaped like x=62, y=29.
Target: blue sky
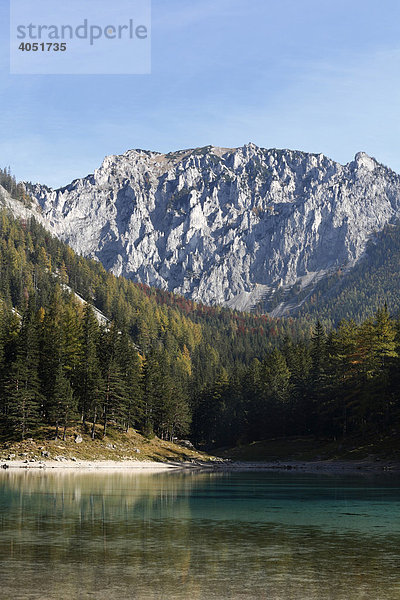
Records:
x=312, y=75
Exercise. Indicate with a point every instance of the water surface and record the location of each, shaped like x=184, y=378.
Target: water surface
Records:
x=189, y=536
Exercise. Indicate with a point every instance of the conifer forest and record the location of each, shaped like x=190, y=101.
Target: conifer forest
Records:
x=79, y=345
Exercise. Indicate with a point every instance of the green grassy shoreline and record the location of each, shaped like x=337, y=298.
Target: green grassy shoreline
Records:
x=116, y=446
x=119, y=446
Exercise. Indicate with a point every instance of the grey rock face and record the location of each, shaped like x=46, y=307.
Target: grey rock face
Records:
x=224, y=225
x=20, y=210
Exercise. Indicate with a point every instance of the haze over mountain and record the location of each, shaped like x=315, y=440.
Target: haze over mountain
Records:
x=232, y=226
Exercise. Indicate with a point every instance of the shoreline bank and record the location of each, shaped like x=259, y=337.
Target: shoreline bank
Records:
x=317, y=466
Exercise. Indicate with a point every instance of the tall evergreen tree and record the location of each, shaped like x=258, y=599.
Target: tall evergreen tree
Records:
x=343, y=369
x=275, y=386
x=317, y=382
x=52, y=355
x=152, y=391
x=89, y=381
x=129, y=362
x=114, y=392
x=63, y=411
x=23, y=385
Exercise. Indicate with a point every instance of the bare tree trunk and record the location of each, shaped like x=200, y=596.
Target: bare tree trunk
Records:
x=94, y=424
x=105, y=424
x=23, y=419
x=106, y=409
x=65, y=426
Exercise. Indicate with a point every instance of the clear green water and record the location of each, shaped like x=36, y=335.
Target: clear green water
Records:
x=198, y=536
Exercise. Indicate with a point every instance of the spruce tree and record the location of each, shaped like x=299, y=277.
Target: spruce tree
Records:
x=152, y=391
x=318, y=381
x=275, y=388
x=114, y=391
x=130, y=411
x=380, y=354
x=23, y=385
x=63, y=407
x=344, y=364
x=89, y=381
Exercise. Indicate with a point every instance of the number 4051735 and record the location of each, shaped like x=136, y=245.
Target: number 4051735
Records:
x=42, y=47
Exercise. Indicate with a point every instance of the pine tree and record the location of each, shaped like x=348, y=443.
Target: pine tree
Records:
x=383, y=343
x=298, y=359
x=51, y=348
x=130, y=411
x=212, y=405
x=89, y=381
x=23, y=385
x=152, y=391
x=317, y=382
x=174, y=417
x=344, y=364
x=72, y=340
x=63, y=410
x=379, y=336
x=115, y=393
x=275, y=388
x=318, y=351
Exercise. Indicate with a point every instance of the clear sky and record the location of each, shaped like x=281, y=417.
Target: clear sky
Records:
x=313, y=75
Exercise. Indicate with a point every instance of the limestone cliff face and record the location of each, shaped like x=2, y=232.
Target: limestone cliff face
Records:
x=223, y=225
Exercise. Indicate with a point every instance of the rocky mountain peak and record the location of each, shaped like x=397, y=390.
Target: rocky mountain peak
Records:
x=224, y=225
x=362, y=160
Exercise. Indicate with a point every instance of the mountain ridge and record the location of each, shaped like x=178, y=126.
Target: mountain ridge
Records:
x=232, y=226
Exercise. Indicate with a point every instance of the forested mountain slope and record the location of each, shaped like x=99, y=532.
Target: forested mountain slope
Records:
x=169, y=366
x=143, y=368
x=354, y=293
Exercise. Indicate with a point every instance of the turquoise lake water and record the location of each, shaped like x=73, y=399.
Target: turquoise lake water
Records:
x=199, y=536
